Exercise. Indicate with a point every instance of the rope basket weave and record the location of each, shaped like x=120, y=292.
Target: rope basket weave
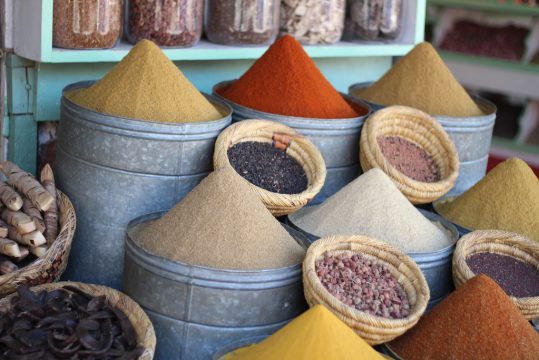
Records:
x=284, y=138
x=49, y=267
x=424, y=131
x=142, y=325
x=373, y=329
x=502, y=243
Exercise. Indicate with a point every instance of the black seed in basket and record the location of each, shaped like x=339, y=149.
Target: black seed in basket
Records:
x=267, y=167
x=65, y=323
x=516, y=277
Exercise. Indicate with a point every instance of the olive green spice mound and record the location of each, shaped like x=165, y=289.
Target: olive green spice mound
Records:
x=507, y=198
x=146, y=85
x=372, y=205
x=221, y=224
x=423, y=81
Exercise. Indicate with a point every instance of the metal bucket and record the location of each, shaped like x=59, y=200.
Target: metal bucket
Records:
x=220, y=354
x=114, y=169
x=337, y=140
x=197, y=310
x=472, y=137
x=435, y=265
x=461, y=229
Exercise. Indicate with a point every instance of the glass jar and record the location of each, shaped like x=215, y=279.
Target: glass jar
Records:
x=242, y=22
x=373, y=19
x=313, y=21
x=87, y=24
x=170, y=23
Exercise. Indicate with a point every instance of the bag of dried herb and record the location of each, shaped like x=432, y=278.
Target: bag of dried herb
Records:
x=478, y=321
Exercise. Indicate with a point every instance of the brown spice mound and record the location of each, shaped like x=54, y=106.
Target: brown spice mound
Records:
x=221, y=224
x=409, y=159
x=477, y=321
x=422, y=80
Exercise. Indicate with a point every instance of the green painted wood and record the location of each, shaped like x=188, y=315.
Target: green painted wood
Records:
x=22, y=145
x=52, y=78
x=491, y=62
x=508, y=7
x=515, y=146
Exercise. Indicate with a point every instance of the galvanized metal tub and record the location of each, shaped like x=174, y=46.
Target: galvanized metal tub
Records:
x=461, y=229
x=472, y=137
x=197, y=310
x=114, y=169
x=337, y=139
x=435, y=265
x=220, y=354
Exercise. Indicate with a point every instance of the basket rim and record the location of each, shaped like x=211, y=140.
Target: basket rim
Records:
x=419, y=283
x=464, y=250
x=317, y=183
x=373, y=122
x=38, y=262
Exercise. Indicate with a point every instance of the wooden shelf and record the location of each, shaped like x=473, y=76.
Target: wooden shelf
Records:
x=34, y=41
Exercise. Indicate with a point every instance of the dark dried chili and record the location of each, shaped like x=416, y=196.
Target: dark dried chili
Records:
x=65, y=324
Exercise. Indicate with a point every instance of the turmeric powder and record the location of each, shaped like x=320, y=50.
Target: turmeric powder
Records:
x=316, y=334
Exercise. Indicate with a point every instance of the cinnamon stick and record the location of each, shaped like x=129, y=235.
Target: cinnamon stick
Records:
x=51, y=215
x=9, y=248
x=9, y=197
x=26, y=184
x=6, y=266
x=20, y=220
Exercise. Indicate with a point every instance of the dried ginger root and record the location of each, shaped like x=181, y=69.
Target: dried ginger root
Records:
x=51, y=215
x=9, y=197
x=26, y=184
x=6, y=266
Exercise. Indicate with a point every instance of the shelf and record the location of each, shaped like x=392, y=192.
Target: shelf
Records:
x=209, y=51
x=507, y=7
x=497, y=75
x=34, y=41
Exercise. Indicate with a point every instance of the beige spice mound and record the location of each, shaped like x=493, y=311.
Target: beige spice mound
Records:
x=423, y=81
x=221, y=224
x=146, y=85
x=372, y=205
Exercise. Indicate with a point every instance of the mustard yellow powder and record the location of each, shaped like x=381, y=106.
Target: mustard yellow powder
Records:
x=423, y=81
x=146, y=85
x=507, y=198
x=317, y=334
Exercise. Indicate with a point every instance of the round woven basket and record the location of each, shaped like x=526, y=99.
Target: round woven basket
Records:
x=284, y=138
x=373, y=329
x=142, y=325
x=502, y=243
x=424, y=131
x=49, y=267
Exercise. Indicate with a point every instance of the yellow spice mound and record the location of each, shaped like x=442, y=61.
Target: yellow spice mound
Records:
x=146, y=85
x=316, y=334
x=423, y=81
x=507, y=198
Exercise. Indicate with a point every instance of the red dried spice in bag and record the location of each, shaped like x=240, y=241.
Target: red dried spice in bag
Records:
x=286, y=81
x=477, y=321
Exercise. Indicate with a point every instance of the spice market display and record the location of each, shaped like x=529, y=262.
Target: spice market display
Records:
x=215, y=195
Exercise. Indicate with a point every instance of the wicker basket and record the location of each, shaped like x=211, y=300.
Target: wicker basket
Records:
x=284, y=138
x=503, y=243
x=424, y=131
x=49, y=267
x=142, y=325
x=373, y=329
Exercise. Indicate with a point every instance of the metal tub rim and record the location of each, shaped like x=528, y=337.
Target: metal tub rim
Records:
x=252, y=340
x=486, y=120
x=119, y=123
x=198, y=272
x=300, y=122
x=461, y=229
x=428, y=214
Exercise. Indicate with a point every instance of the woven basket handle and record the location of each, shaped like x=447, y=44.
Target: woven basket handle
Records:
x=281, y=141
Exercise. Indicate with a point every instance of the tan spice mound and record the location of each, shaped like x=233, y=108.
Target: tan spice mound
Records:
x=221, y=224
x=507, y=198
x=372, y=205
x=423, y=81
x=477, y=321
x=146, y=85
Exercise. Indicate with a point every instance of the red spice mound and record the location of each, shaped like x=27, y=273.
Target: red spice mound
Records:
x=477, y=321
x=286, y=81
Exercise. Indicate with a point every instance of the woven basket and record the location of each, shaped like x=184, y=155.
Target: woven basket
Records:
x=420, y=129
x=502, y=243
x=373, y=329
x=49, y=267
x=142, y=325
x=284, y=138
